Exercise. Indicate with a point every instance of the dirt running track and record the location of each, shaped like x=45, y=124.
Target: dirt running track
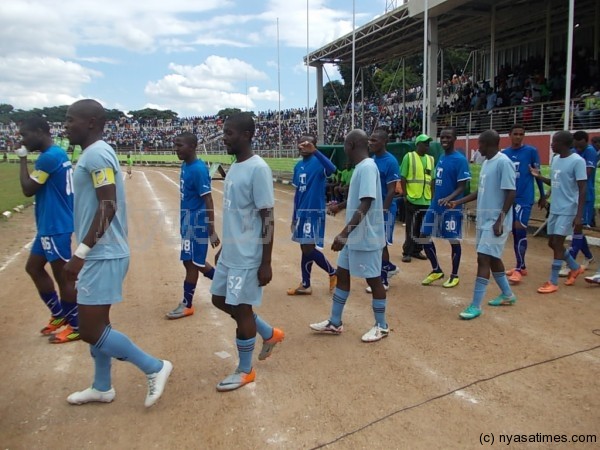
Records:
x=436, y=382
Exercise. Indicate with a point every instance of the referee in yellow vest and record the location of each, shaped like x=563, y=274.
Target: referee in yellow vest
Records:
x=416, y=173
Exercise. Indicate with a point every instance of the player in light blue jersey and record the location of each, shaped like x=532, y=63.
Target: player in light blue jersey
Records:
x=588, y=153
x=568, y=180
x=101, y=259
x=361, y=241
x=389, y=174
x=523, y=157
x=495, y=196
x=449, y=183
x=51, y=183
x=197, y=221
x=244, y=262
x=308, y=219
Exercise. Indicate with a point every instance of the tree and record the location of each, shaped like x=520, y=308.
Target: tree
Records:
x=335, y=92
x=150, y=113
x=224, y=113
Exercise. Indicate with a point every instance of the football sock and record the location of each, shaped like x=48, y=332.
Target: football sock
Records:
x=263, y=328
x=102, y=363
x=585, y=248
x=520, y=246
x=556, y=265
x=384, y=274
x=479, y=291
x=188, y=293
x=210, y=274
x=431, y=253
x=245, y=349
x=580, y=243
x=379, y=312
x=570, y=260
x=70, y=313
x=456, y=255
x=337, y=308
x=502, y=282
x=306, y=266
x=119, y=346
x=53, y=303
x=318, y=257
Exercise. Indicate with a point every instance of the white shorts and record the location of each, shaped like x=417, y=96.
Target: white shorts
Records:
x=238, y=286
x=360, y=263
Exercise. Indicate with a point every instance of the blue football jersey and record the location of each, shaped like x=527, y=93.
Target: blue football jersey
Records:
x=54, y=199
x=309, y=180
x=449, y=171
x=194, y=184
x=591, y=161
x=389, y=172
x=522, y=158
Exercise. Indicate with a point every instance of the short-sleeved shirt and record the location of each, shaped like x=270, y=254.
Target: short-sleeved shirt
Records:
x=522, y=158
x=591, y=161
x=450, y=170
x=389, y=172
x=194, y=184
x=54, y=199
x=309, y=180
x=370, y=233
x=98, y=166
x=564, y=175
x=248, y=189
x=497, y=174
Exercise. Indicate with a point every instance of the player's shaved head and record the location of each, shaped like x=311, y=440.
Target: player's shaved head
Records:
x=242, y=122
x=381, y=133
x=309, y=138
x=89, y=108
x=36, y=123
x=490, y=137
x=563, y=137
x=358, y=137
x=189, y=138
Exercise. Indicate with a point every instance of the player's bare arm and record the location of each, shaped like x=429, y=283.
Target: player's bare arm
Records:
x=509, y=198
x=265, y=273
x=578, y=221
x=210, y=212
x=460, y=188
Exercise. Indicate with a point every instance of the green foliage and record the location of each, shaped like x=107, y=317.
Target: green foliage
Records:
x=335, y=92
x=228, y=112
x=51, y=114
x=150, y=113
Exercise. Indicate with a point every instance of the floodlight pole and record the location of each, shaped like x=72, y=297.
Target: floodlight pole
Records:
x=307, y=75
x=425, y=65
x=279, y=88
x=567, y=119
x=353, y=59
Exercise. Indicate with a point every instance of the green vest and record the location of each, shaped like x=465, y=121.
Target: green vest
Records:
x=418, y=182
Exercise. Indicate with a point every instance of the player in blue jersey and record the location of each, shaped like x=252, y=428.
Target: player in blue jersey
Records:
x=568, y=179
x=101, y=259
x=523, y=157
x=244, y=262
x=495, y=196
x=361, y=241
x=451, y=177
x=389, y=175
x=197, y=221
x=308, y=219
x=51, y=183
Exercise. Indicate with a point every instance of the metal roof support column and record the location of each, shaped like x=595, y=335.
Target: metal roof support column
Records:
x=569, y=69
x=320, y=105
x=432, y=76
x=597, y=33
x=548, y=40
x=492, y=62
x=425, y=73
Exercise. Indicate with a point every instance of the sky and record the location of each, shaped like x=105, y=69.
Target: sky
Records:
x=194, y=57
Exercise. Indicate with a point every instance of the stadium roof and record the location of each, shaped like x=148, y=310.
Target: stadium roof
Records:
x=461, y=23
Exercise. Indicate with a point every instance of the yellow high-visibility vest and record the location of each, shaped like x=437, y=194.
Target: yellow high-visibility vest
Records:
x=418, y=183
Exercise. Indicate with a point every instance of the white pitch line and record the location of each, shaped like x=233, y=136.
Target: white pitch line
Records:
x=15, y=256
x=159, y=206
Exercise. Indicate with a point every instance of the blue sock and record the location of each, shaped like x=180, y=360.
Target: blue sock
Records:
x=456, y=255
x=210, y=274
x=379, y=312
x=306, y=267
x=576, y=245
x=188, y=293
x=245, y=349
x=388, y=266
x=431, y=253
x=479, y=291
x=502, y=282
x=263, y=328
x=318, y=257
x=520, y=246
x=102, y=363
x=384, y=274
x=585, y=248
x=339, y=301
x=119, y=346
x=570, y=260
x=556, y=266
x=53, y=303
x=70, y=313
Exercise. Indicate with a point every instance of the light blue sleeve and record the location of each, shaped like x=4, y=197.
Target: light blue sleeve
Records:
x=368, y=182
x=262, y=187
x=101, y=159
x=508, y=176
x=580, y=170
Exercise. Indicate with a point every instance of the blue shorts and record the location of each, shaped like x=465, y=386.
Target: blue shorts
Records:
x=389, y=220
x=445, y=224
x=100, y=282
x=53, y=247
x=194, y=250
x=488, y=243
x=521, y=214
x=360, y=263
x=310, y=230
x=238, y=286
x=560, y=225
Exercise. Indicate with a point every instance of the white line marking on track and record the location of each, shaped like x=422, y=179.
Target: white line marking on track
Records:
x=467, y=397
x=160, y=208
x=15, y=256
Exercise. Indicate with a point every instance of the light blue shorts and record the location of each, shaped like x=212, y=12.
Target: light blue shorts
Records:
x=488, y=243
x=360, y=263
x=560, y=225
x=238, y=286
x=100, y=282
x=53, y=247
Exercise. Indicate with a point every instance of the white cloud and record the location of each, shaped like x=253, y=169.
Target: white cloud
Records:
x=98, y=59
